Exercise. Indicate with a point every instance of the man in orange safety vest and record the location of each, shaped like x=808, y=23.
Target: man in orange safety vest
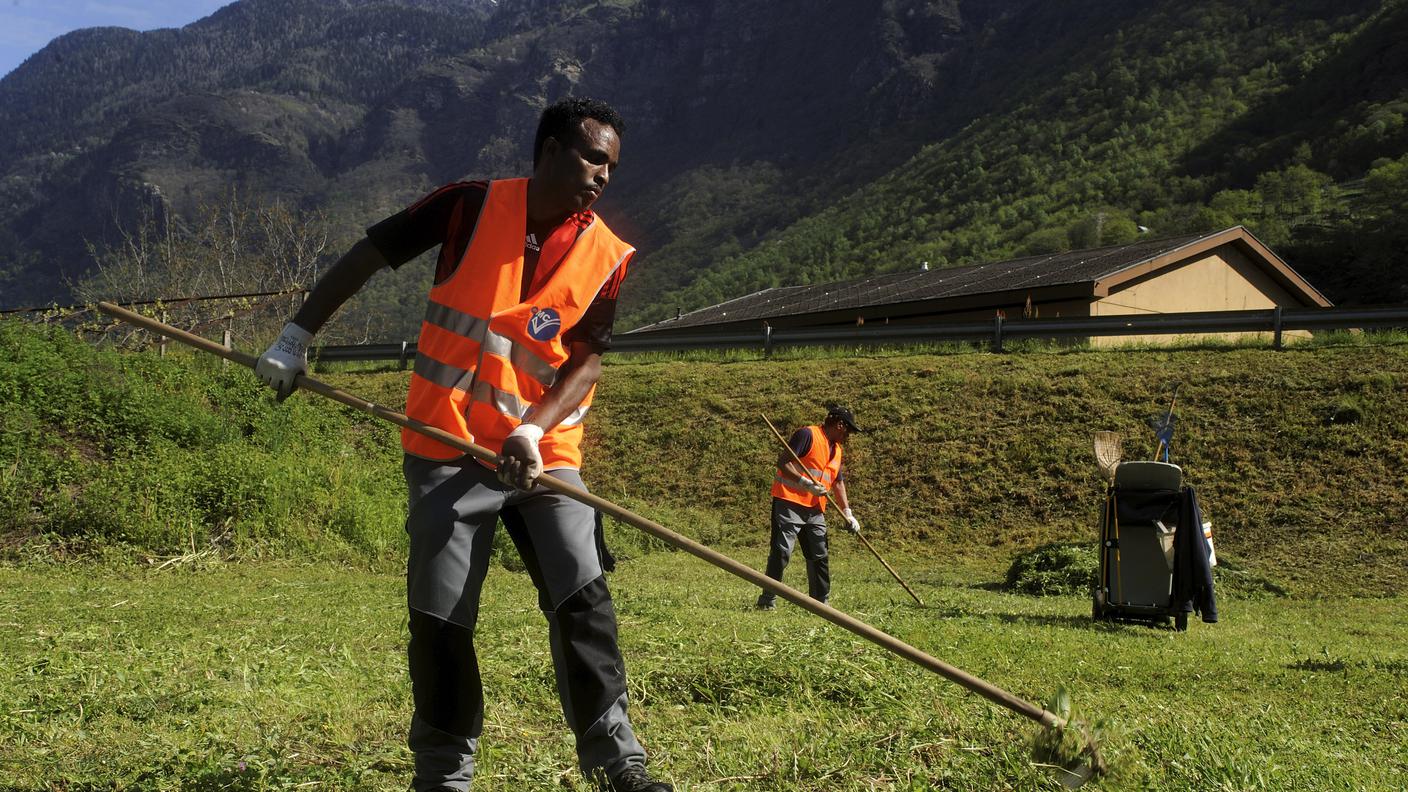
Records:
x=799, y=498
x=508, y=357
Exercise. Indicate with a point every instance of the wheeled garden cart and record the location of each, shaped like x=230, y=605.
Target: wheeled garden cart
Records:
x=1155, y=559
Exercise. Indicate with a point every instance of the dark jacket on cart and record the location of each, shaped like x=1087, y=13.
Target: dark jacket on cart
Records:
x=1192, y=572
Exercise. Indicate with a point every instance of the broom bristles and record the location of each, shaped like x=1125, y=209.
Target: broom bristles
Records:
x=1108, y=452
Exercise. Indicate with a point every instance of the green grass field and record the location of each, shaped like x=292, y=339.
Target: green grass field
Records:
x=201, y=589
x=282, y=676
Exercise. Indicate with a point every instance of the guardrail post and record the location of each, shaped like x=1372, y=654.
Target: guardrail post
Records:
x=997, y=333
x=402, y=360
x=1276, y=328
x=767, y=340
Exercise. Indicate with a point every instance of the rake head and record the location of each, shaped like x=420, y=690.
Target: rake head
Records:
x=1071, y=747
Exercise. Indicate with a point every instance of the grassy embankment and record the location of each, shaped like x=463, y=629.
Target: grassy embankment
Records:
x=120, y=672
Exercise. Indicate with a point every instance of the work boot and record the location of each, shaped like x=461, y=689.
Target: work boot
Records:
x=634, y=779
x=765, y=604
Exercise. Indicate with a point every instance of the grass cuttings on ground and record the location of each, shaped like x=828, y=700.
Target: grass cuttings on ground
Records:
x=264, y=676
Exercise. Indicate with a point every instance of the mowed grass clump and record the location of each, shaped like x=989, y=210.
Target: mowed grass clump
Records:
x=1060, y=568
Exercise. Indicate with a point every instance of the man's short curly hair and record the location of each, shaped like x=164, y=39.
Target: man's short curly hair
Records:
x=560, y=121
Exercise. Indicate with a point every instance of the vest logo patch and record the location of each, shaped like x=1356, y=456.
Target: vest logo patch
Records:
x=544, y=324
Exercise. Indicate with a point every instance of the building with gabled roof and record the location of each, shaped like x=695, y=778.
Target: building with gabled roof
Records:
x=1229, y=270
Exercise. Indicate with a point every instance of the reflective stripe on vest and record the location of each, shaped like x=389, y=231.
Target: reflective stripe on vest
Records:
x=818, y=462
x=485, y=358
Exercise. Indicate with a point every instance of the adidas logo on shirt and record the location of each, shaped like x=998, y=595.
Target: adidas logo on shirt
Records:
x=531, y=242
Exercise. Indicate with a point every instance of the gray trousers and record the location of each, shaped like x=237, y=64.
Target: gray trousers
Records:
x=454, y=511
x=791, y=521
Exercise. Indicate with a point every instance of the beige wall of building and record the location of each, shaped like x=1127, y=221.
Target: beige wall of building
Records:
x=1222, y=280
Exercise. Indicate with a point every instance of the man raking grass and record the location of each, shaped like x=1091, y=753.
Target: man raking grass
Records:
x=799, y=497
x=517, y=319
x=1053, y=725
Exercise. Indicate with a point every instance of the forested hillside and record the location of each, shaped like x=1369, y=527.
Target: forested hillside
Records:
x=1262, y=114
x=767, y=144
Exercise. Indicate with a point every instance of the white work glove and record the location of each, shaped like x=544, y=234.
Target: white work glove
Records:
x=522, y=463
x=284, y=360
x=814, y=487
x=852, y=524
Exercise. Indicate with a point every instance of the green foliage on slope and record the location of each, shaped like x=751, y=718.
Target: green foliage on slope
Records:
x=974, y=456
x=106, y=453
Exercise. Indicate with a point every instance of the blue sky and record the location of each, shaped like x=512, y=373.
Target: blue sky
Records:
x=27, y=25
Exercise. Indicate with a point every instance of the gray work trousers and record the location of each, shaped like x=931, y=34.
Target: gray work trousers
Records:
x=454, y=510
x=791, y=521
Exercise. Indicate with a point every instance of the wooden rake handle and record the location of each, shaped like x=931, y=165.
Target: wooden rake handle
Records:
x=862, y=539
x=892, y=572
x=888, y=642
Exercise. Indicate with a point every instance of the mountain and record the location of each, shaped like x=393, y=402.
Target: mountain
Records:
x=103, y=125
x=767, y=143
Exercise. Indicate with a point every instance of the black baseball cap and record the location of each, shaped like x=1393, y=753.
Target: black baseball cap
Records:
x=844, y=415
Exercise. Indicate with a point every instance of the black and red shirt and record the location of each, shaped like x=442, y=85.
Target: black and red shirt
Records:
x=447, y=216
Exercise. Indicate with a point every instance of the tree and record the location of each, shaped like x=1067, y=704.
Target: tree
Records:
x=234, y=247
x=1046, y=240
x=1236, y=207
x=1297, y=191
x=1102, y=227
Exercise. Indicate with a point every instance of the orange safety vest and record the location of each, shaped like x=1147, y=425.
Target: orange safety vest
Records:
x=485, y=358
x=818, y=462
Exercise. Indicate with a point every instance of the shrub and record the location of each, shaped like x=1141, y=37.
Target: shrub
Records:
x=157, y=455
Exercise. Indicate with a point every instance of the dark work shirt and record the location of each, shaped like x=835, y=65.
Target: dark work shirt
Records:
x=447, y=216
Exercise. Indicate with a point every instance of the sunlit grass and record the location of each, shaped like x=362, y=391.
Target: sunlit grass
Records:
x=253, y=677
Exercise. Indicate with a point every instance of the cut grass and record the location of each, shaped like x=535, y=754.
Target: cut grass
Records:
x=275, y=676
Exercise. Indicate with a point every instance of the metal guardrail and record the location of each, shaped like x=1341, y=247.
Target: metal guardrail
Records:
x=997, y=330
x=993, y=332
x=167, y=301
x=401, y=351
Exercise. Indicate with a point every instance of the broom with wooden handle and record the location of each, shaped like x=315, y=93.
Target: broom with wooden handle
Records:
x=1109, y=452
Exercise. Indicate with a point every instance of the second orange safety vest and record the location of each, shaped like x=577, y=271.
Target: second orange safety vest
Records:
x=485, y=357
x=820, y=462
